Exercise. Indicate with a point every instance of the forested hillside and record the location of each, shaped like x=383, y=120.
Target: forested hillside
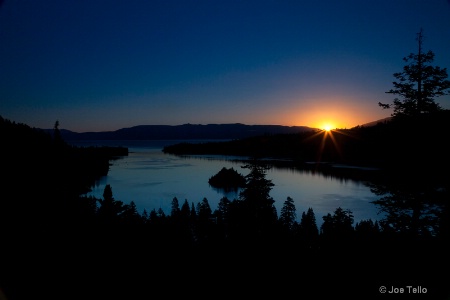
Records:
x=397, y=144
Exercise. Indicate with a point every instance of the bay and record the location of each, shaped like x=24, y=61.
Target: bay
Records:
x=152, y=179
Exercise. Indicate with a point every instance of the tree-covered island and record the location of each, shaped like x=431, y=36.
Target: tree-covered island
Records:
x=227, y=179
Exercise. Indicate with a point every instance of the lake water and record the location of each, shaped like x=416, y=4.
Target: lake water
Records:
x=152, y=179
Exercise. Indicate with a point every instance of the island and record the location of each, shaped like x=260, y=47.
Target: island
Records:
x=227, y=179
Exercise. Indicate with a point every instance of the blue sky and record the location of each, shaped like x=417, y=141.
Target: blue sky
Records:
x=99, y=65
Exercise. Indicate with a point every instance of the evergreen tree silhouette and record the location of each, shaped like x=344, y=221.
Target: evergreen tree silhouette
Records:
x=418, y=84
x=204, y=221
x=256, y=204
x=308, y=231
x=222, y=216
x=186, y=224
x=153, y=216
x=131, y=216
x=110, y=210
x=411, y=206
x=161, y=214
x=185, y=214
x=175, y=208
x=288, y=214
x=337, y=229
x=193, y=213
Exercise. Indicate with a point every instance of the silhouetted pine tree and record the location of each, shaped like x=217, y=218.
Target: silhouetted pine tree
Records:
x=193, y=213
x=308, y=232
x=223, y=209
x=205, y=222
x=185, y=214
x=288, y=214
x=175, y=211
x=110, y=210
x=418, y=84
x=186, y=224
x=131, y=216
x=412, y=205
x=258, y=214
x=337, y=229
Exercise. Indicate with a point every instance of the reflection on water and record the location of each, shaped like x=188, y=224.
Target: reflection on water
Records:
x=152, y=179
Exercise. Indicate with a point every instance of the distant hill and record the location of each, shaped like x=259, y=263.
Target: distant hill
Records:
x=185, y=131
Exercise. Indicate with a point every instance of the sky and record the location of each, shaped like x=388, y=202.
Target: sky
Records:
x=102, y=65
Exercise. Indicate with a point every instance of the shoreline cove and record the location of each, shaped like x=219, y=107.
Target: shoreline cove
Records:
x=152, y=179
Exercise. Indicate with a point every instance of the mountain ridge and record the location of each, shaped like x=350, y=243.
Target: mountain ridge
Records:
x=184, y=131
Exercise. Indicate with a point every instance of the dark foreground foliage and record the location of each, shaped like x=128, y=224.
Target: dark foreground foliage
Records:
x=57, y=244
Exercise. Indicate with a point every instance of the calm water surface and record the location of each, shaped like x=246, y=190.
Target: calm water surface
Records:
x=152, y=179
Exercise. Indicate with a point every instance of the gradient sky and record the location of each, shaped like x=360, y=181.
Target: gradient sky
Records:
x=98, y=65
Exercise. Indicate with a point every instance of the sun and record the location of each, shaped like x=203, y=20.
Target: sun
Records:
x=327, y=127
